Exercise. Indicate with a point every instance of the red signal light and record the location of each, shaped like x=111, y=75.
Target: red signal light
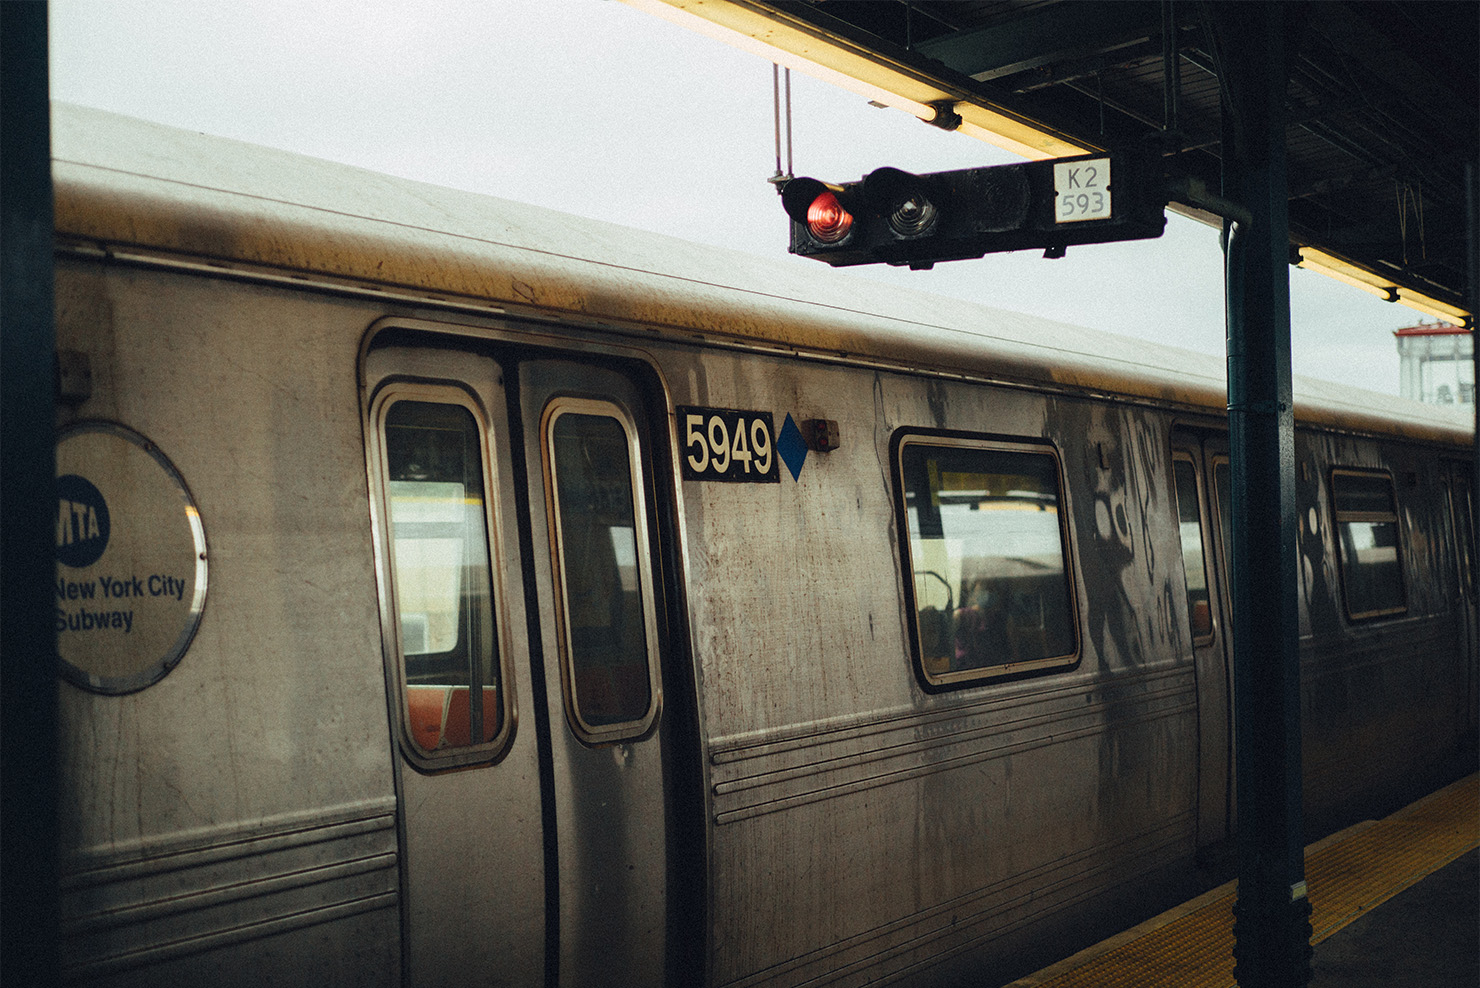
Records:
x=827, y=220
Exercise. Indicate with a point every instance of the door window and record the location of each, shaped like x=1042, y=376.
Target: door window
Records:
x=434, y=472
x=602, y=568
x=1199, y=603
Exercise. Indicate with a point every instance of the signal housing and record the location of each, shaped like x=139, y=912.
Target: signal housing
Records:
x=954, y=215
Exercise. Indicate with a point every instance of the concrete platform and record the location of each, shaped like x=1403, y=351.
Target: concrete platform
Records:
x=1395, y=902
x=1427, y=935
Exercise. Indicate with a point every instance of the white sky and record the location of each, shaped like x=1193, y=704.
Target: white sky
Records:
x=594, y=108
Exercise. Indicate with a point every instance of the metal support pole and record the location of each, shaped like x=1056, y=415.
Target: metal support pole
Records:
x=1272, y=915
x=28, y=678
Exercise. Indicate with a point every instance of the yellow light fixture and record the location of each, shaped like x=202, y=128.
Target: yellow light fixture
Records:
x=1005, y=132
x=1348, y=274
x=869, y=74
x=1433, y=307
x=1384, y=288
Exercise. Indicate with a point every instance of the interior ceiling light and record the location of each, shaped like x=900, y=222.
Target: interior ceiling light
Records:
x=857, y=70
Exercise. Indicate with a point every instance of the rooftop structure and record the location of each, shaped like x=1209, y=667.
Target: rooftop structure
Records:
x=1437, y=364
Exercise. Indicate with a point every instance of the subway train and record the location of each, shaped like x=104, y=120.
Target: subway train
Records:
x=452, y=591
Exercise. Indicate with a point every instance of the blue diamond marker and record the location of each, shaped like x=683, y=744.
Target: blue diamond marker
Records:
x=792, y=447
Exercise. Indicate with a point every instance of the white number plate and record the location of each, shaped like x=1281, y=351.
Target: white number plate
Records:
x=727, y=444
x=1082, y=190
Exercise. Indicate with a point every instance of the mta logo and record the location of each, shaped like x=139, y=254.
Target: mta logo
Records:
x=82, y=522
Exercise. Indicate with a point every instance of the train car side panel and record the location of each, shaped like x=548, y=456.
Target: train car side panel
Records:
x=245, y=797
x=1383, y=700
x=874, y=823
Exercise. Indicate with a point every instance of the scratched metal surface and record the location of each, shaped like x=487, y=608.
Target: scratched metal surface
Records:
x=857, y=818
x=471, y=839
x=857, y=823
x=274, y=713
x=1381, y=699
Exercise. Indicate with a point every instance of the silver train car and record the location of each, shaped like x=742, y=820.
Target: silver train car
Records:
x=451, y=591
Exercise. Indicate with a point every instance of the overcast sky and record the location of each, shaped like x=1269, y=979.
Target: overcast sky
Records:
x=594, y=108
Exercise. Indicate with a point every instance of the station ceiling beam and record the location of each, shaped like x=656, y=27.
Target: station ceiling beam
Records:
x=1381, y=103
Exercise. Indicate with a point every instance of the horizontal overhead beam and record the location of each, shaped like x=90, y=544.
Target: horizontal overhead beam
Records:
x=792, y=42
x=1344, y=128
x=1044, y=36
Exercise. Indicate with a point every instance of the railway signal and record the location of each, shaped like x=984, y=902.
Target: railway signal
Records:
x=895, y=217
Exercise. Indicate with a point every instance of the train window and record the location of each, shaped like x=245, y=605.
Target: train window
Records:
x=605, y=597
x=1367, y=534
x=439, y=559
x=989, y=571
x=1199, y=602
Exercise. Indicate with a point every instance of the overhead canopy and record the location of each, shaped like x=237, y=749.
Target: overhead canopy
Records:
x=1382, y=103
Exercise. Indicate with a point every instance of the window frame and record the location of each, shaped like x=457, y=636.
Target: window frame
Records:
x=965, y=678
x=1340, y=517
x=394, y=392
x=627, y=730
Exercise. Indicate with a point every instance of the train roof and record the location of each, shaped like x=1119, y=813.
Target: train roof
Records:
x=133, y=187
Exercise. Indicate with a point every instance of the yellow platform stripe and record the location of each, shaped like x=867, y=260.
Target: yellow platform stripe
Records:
x=1347, y=875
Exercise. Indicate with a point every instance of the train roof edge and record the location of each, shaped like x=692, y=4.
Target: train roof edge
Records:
x=127, y=183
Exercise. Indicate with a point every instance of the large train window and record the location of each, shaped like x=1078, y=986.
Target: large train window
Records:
x=599, y=537
x=987, y=559
x=1199, y=601
x=1366, y=518
x=435, y=473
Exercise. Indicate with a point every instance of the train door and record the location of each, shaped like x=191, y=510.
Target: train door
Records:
x=517, y=548
x=1194, y=463
x=453, y=623
x=588, y=447
x=1461, y=509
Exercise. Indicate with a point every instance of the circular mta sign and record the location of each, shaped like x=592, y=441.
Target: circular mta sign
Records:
x=131, y=560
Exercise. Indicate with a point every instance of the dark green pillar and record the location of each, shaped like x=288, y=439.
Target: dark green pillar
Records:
x=1272, y=915
x=28, y=680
